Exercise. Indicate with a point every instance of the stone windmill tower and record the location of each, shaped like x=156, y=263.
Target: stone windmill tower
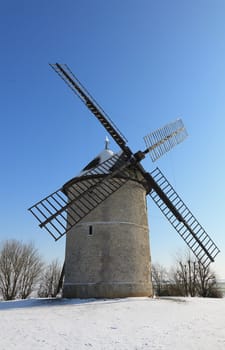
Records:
x=104, y=213
x=107, y=252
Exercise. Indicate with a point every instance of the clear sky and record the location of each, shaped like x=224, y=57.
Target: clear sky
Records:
x=146, y=62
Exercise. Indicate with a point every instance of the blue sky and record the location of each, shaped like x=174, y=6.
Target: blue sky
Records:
x=146, y=63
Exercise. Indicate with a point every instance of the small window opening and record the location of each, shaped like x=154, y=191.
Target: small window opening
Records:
x=90, y=230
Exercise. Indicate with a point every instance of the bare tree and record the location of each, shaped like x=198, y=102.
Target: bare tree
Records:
x=206, y=282
x=185, y=277
x=20, y=267
x=160, y=278
x=191, y=278
x=50, y=280
x=30, y=270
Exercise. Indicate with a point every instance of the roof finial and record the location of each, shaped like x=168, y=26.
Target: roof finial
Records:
x=106, y=142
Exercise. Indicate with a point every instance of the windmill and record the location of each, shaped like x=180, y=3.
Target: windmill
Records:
x=103, y=212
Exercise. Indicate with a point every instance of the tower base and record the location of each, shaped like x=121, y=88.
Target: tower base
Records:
x=107, y=252
x=107, y=290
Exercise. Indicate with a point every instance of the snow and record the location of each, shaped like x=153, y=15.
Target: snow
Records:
x=130, y=323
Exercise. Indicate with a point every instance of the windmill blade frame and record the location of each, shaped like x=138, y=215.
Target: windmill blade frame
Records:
x=181, y=218
x=75, y=85
x=164, y=139
x=56, y=213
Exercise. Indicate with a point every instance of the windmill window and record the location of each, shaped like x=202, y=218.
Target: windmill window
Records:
x=90, y=230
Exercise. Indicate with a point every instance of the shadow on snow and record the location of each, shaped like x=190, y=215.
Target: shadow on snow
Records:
x=48, y=302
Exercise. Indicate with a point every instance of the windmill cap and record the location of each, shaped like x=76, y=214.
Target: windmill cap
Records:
x=92, y=165
x=99, y=159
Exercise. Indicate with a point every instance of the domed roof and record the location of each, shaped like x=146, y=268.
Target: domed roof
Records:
x=94, y=163
x=104, y=155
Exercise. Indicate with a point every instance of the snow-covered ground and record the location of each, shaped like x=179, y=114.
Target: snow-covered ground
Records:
x=133, y=323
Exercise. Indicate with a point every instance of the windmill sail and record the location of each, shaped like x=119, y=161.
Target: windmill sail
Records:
x=64, y=208
x=65, y=73
x=162, y=140
x=182, y=219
